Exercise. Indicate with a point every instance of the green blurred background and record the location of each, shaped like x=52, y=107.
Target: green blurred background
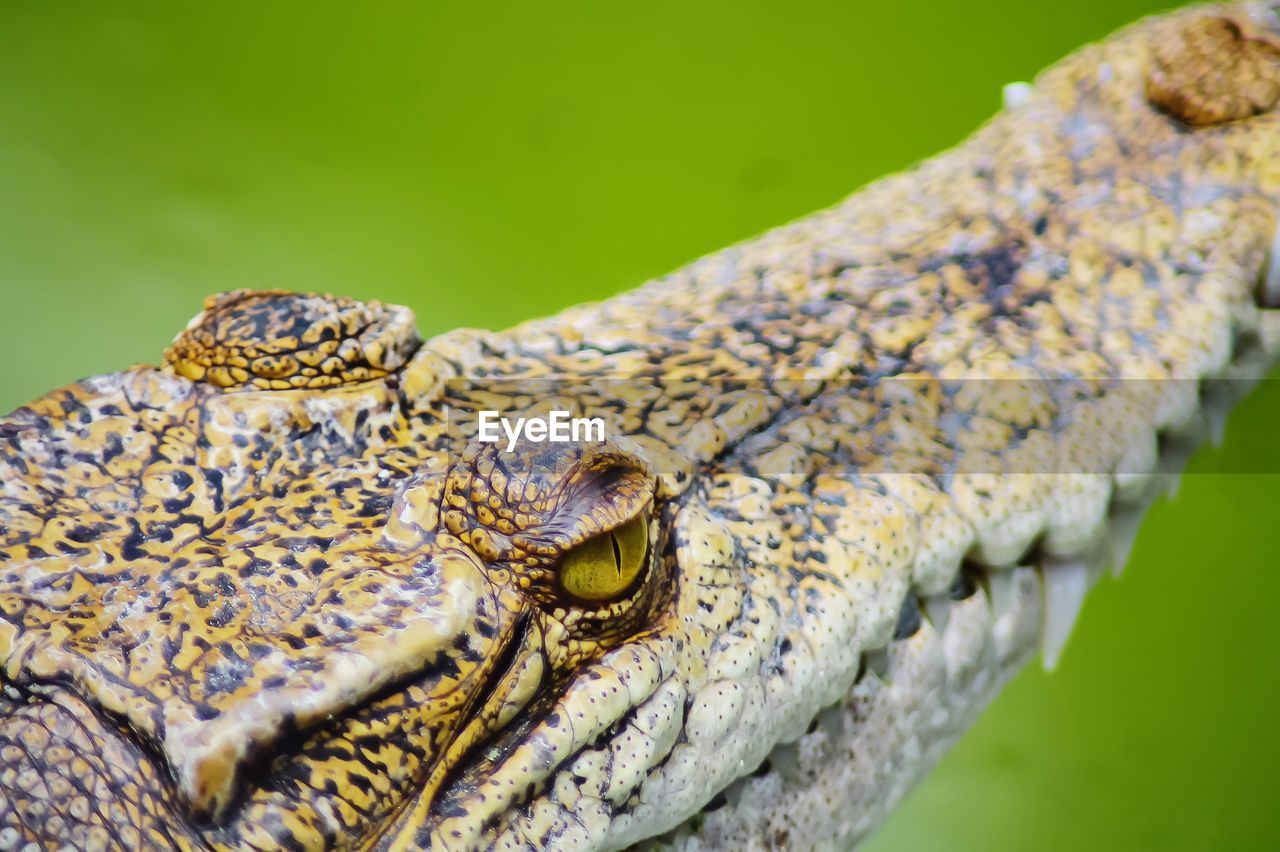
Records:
x=487, y=164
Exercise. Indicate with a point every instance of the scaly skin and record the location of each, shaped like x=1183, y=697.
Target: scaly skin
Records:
x=276, y=593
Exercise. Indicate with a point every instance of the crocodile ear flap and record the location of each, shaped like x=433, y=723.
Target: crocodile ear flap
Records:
x=600, y=491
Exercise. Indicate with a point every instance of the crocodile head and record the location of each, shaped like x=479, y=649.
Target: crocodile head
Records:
x=834, y=485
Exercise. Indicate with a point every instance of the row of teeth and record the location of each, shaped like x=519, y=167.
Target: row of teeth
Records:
x=1064, y=583
x=1066, y=580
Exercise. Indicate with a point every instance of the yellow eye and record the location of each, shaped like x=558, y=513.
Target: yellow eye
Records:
x=604, y=567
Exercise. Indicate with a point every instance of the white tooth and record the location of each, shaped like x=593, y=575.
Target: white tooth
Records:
x=1065, y=584
x=1000, y=584
x=1177, y=454
x=938, y=608
x=1016, y=94
x=1270, y=295
x=1121, y=534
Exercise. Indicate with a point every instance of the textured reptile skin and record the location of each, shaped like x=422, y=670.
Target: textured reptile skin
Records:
x=277, y=593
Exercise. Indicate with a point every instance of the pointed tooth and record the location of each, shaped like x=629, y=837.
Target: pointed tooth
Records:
x=938, y=608
x=733, y=793
x=1065, y=585
x=1174, y=457
x=1015, y=95
x=1000, y=588
x=1121, y=535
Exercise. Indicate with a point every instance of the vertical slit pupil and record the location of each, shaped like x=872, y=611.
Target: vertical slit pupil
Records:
x=617, y=553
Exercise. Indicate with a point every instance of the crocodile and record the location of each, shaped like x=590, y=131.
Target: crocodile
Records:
x=283, y=591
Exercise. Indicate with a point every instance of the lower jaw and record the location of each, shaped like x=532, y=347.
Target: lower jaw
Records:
x=859, y=756
x=914, y=698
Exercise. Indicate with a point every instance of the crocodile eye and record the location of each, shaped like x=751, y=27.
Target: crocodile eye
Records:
x=602, y=568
